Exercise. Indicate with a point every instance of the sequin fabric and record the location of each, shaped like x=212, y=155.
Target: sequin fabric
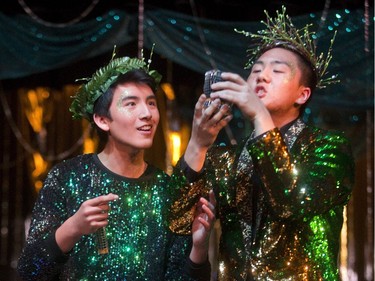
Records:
x=280, y=203
x=141, y=247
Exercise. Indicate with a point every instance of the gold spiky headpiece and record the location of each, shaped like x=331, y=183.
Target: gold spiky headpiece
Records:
x=83, y=103
x=280, y=32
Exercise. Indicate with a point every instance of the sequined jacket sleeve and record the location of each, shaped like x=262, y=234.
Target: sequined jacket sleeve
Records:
x=41, y=258
x=190, y=186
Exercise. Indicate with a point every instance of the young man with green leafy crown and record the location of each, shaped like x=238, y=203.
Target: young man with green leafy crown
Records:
x=104, y=216
x=281, y=192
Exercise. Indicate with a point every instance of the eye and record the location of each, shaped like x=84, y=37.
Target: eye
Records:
x=256, y=70
x=280, y=68
x=152, y=103
x=129, y=103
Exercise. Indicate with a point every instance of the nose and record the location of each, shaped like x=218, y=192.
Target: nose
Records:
x=145, y=112
x=263, y=76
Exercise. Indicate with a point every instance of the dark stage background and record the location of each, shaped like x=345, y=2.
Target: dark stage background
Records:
x=46, y=45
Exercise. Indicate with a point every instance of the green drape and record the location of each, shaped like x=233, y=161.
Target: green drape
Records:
x=27, y=47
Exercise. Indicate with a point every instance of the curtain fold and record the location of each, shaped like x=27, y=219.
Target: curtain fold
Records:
x=27, y=47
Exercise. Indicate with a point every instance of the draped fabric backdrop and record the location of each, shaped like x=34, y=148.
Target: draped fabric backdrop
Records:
x=28, y=48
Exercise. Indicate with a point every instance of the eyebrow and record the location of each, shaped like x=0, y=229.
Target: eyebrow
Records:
x=274, y=62
x=149, y=97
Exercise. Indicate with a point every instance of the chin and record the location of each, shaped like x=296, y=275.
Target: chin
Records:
x=145, y=145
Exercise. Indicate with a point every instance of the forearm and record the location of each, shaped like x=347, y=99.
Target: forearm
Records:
x=67, y=236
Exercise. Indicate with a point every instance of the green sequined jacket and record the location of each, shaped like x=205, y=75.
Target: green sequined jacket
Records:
x=280, y=203
x=141, y=246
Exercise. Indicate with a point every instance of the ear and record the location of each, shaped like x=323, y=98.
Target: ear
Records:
x=303, y=96
x=101, y=122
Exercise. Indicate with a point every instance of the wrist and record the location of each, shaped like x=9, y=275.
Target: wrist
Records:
x=263, y=122
x=67, y=235
x=199, y=255
x=195, y=156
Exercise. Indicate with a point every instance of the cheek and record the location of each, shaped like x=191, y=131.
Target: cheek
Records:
x=156, y=117
x=119, y=104
x=291, y=76
x=125, y=111
x=251, y=79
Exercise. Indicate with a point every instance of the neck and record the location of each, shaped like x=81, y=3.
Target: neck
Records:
x=130, y=165
x=281, y=121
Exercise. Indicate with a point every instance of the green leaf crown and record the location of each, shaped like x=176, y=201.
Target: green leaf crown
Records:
x=84, y=100
x=280, y=32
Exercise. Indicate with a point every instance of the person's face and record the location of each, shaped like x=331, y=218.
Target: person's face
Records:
x=134, y=116
x=275, y=78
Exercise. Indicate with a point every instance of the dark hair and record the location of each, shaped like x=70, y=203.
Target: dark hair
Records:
x=102, y=105
x=308, y=77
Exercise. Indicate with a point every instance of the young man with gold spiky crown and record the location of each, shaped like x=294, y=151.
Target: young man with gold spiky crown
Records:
x=281, y=192
x=105, y=216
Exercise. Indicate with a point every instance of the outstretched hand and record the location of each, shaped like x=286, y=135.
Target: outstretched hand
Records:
x=92, y=215
x=202, y=226
x=235, y=90
x=207, y=123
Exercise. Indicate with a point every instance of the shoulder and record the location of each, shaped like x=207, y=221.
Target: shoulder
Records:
x=79, y=159
x=320, y=134
x=153, y=172
x=76, y=163
x=324, y=143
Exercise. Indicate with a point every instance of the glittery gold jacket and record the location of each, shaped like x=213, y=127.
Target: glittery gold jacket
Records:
x=280, y=203
x=141, y=247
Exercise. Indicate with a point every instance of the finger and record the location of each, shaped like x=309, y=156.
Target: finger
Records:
x=212, y=197
x=234, y=77
x=95, y=225
x=199, y=105
x=212, y=109
x=103, y=199
x=223, y=115
x=103, y=209
x=99, y=217
x=226, y=95
x=224, y=108
x=224, y=122
x=201, y=100
x=205, y=223
x=207, y=207
x=209, y=213
x=211, y=201
x=207, y=218
x=229, y=81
